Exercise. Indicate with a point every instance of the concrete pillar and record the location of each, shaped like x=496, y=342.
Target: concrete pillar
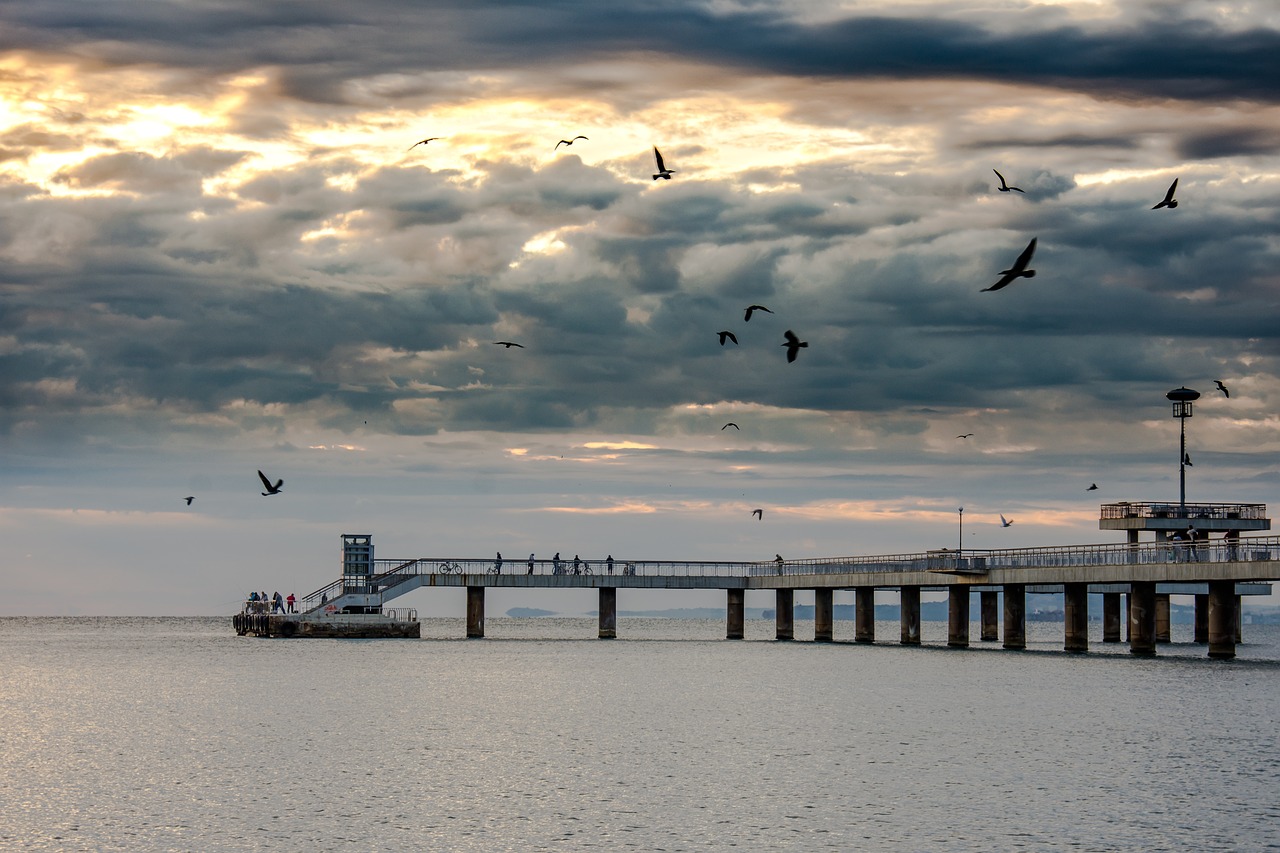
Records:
x=958, y=617
x=737, y=614
x=1201, y=634
x=1124, y=616
x=475, y=612
x=909, y=615
x=1111, y=617
x=864, y=614
x=608, y=612
x=1015, y=616
x=1142, y=618
x=1223, y=618
x=1239, y=621
x=1075, y=616
x=786, y=614
x=1162, y=618
x=823, y=615
x=990, y=600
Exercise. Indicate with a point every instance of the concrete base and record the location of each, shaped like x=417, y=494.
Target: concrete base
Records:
x=737, y=614
x=1015, y=616
x=823, y=615
x=864, y=615
x=608, y=612
x=909, y=615
x=958, y=617
x=785, y=614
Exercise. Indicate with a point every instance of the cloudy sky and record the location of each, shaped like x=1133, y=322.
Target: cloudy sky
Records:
x=221, y=253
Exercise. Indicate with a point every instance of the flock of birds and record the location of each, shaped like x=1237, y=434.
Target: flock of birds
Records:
x=1019, y=269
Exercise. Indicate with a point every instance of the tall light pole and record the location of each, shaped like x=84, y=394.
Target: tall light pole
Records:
x=1182, y=399
x=961, y=511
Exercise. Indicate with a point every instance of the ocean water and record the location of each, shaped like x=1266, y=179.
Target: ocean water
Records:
x=175, y=734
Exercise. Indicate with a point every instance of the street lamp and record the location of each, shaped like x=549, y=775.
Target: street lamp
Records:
x=961, y=511
x=1182, y=399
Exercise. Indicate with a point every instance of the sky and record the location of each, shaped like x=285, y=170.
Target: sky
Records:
x=221, y=251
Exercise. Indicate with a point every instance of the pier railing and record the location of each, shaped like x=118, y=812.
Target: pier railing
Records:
x=1216, y=512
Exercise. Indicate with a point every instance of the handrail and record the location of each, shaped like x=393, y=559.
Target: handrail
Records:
x=1172, y=509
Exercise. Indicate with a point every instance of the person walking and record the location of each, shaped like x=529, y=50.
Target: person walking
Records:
x=277, y=603
x=555, y=564
x=497, y=564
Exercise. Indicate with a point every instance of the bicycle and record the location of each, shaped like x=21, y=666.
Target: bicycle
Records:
x=447, y=568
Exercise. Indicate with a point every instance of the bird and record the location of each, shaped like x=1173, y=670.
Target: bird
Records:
x=730, y=335
x=270, y=489
x=758, y=513
x=1092, y=488
x=746, y=318
x=508, y=344
x=189, y=499
x=731, y=424
x=966, y=435
x=1222, y=388
x=793, y=344
x=423, y=142
x=1169, y=201
x=1186, y=460
x=663, y=171
x=569, y=141
x=1004, y=187
x=1018, y=270
x=1004, y=523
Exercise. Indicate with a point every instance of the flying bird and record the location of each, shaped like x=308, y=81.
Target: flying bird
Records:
x=1186, y=460
x=422, y=142
x=1222, y=388
x=1092, y=488
x=793, y=344
x=746, y=318
x=758, y=513
x=731, y=424
x=569, y=141
x=966, y=435
x=1018, y=270
x=189, y=499
x=1003, y=522
x=1004, y=187
x=729, y=335
x=663, y=171
x=508, y=344
x=266, y=484
x=1169, y=201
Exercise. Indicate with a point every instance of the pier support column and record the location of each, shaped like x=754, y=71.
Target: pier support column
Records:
x=990, y=600
x=1223, y=617
x=1239, y=621
x=1075, y=616
x=1142, y=618
x=1162, y=618
x=909, y=615
x=1201, y=632
x=737, y=614
x=864, y=614
x=1111, y=617
x=958, y=617
x=475, y=612
x=608, y=612
x=785, y=614
x=1015, y=616
x=823, y=615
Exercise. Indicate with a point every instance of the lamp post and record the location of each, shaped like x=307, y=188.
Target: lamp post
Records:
x=1182, y=399
x=961, y=511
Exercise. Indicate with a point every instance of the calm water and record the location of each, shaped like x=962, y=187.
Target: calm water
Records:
x=175, y=734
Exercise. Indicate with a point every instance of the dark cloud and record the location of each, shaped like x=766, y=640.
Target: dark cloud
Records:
x=1236, y=142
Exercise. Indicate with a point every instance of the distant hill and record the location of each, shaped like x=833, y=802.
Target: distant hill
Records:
x=529, y=612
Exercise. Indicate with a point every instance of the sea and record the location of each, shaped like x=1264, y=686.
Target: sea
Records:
x=159, y=734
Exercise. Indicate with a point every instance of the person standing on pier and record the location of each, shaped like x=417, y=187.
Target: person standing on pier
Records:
x=292, y=601
x=555, y=564
x=608, y=561
x=530, y=564
x=277, y=603
x=577, y=565
x=497, y=564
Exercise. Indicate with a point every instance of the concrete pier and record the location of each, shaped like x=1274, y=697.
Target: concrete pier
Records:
x=1163, y=634
x=737, y=614
x=1201, y=630
x=864, y=615
x=909, y=615
x=608, y=612
x=958, y=617
x=1075, y=617
x=475, y=612
x=823, y=615
x=1142, y=618
x=990, y=601
x=785, y=614
x=1224, y=617
x=1111, y=617
x=1015, y=616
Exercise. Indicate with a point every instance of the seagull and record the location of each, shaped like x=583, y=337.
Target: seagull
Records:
x=1169, y=201
x=1004, y=188
x=1092, y=488
x=270, y=489
x=189, y=499
x=747, y=317
x=731, y=424
x=966, y=435
x=508, y=344
x=569, y=141
x=1018, y=270
x=422, y=142
x=1003, y=522
x=1222, y=388
x=663, y=171
x=758, y=513
x=1186, y=460
x=730, y=335
x=793, y=344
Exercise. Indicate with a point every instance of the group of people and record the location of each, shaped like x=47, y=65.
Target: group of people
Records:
x=260, y=601
x=560, y=567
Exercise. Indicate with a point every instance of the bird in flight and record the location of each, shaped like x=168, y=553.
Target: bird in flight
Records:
x=758, y=513
x=422, y=142
x=966, y=435
x=189, y=499
x=1018, y=270
x=731, y=424
x=1004, y=187
x=569, y=141
x=663, y=171
x=1004, y=522
x=1169, y=201
x=730, y=335
x=508, y=344
x=266, y=484
x=1186, y=460
x=1222, y=388
x=793, y=344
x=1092, y=488
x=746, y=318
